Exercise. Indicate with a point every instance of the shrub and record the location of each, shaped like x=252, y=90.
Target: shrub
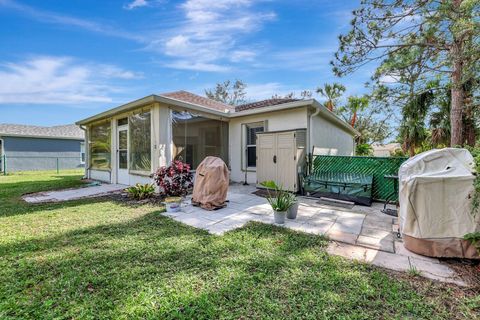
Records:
x=282, y=200
x=175, y=180
x=141, y=191
x=364, y=149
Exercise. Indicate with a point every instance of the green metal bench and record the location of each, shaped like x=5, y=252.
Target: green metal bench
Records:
x=353, y=187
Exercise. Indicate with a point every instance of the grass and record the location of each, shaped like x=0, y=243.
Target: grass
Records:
x=101, y=259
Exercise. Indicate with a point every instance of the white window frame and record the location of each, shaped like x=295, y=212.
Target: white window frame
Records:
x=84, y=158
x=247, y=126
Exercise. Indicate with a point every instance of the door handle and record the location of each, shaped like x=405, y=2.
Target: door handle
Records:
x=274, y=159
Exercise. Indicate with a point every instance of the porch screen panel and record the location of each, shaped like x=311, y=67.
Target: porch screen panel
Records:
x=196, y=137
x=100, y=146
x=140, y=141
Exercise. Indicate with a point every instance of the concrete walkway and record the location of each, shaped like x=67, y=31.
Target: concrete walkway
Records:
x=361, y=233
x=73, y=194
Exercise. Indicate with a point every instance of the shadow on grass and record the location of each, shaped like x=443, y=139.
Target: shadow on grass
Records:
x=154, y=267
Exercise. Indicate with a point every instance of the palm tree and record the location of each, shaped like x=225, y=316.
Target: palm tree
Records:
x=412, y=129
x=332, y=92
x=355, y=104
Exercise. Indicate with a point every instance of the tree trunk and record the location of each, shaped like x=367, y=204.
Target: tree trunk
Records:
x=456, y=111
x=354, y=119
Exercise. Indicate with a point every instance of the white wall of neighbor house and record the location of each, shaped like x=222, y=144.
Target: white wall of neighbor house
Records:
x=275, y=121
x=330, y=139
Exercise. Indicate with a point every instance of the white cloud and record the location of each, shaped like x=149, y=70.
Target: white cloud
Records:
x=198, y=66
x=56, y=18
x=136, y=4
x=209, y=34
x=58, y=80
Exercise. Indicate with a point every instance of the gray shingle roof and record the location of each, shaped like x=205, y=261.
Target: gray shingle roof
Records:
x=263, y=103
x=199, y=100
x=70, y=131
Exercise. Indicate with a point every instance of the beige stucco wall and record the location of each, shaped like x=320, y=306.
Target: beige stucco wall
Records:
x=329, y=139
x=276, y=121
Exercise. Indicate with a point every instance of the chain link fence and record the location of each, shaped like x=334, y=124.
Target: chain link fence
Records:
x=9, y=164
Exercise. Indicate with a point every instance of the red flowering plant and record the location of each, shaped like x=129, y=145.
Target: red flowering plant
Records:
x=175, y=180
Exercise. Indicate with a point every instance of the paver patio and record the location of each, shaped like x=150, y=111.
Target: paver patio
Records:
x=361, y=233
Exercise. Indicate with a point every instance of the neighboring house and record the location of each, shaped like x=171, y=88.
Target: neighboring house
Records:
x=127, y=143
x=385, y=150
x=27, y=147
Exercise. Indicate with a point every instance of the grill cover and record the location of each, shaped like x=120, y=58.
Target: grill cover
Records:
x=211, y=184
x=435, y=203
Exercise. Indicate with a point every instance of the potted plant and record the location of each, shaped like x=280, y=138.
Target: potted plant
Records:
x=292, y=211
x=280, y=202
x=174, y=182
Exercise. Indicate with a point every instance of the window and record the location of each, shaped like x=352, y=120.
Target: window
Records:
x=140, y=142
x=82, y=152
x=100, y=146
x=196, y=137
x=251, y=143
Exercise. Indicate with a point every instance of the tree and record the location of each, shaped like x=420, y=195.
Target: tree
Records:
x=232, y=93
x=304, y=94
x=448, y=31
x=412, y=131
x=353, y=107
x=332, y=92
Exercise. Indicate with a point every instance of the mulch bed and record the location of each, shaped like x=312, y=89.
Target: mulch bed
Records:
x=124, y=198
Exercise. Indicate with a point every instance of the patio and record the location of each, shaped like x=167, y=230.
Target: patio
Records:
x=361, y=233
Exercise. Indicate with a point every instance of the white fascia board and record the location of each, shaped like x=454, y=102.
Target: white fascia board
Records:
x=124, y=107
x=148, y=100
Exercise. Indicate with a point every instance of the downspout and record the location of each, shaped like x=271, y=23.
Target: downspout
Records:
x=85, y=176
x=310, y=137
x=310, y=126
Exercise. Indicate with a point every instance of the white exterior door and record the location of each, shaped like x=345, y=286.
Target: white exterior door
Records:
x=122, y=155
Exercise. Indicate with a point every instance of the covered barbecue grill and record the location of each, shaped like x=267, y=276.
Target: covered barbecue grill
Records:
x=211, y=184
x=436, y=189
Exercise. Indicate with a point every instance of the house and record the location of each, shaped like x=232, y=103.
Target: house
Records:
x=127, y=143
x=385, y=150
x=24, y=147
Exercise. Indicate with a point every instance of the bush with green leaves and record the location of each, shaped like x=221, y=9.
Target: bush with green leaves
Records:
x=141, y=191
x=364, y=149
x=281, y=200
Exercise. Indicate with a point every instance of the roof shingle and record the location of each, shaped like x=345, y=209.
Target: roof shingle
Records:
x=64, y=131
x=199, y=100
x=264, y=103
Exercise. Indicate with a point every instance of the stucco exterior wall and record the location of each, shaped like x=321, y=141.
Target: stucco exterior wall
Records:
x=276, y=121
x=329, y=139
x=25, y=153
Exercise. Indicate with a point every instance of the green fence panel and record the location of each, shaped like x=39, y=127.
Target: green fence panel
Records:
x=378, y=167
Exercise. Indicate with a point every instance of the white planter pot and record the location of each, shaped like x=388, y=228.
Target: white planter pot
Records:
x=279, y=216
x=173, y=206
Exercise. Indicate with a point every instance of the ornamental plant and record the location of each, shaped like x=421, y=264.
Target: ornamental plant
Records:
x=174, y=180
x=281, y=200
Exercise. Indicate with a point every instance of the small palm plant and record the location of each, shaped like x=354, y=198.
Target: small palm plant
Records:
x=280, y=201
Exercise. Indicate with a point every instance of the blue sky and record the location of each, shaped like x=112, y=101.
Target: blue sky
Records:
x=61, y=61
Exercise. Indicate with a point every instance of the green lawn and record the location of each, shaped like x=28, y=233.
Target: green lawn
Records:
x=101, y=259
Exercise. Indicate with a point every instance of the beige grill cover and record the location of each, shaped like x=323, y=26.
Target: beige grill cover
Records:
x=211, y=184
x=435, y=197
